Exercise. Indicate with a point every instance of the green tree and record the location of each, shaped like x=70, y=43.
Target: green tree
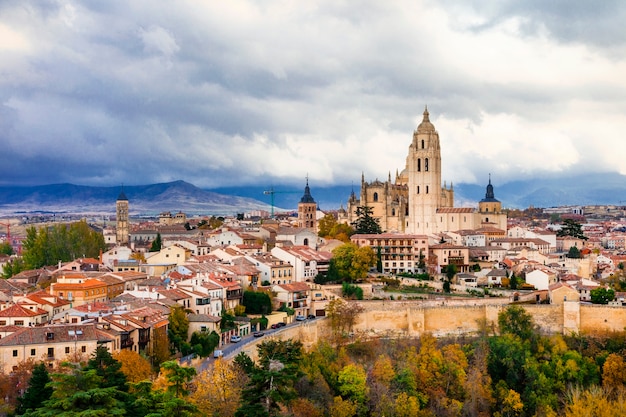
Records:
x=571, y=228
x=204, y=343
x=257, y=302
x=272, y=381
x=157, y=243
x=79, y=392
x=352, y=381
x=365, y=223
x=178, y=329
x=515, y=320
x=107, y=368
x=351, y=262
x=38, y=390
x=351, y=291
x=573, y=253
x=61, y=242
x=6, y=248
x=602, y=295
x=13, y=267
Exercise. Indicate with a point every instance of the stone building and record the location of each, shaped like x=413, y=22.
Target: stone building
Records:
x=415, y=202
x=121, y=216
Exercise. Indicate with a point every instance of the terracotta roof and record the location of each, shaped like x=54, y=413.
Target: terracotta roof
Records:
x=444, y=210
x=60, y=334
x=17, y=310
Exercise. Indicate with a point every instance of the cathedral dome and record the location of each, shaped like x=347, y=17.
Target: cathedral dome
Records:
x=426, y=126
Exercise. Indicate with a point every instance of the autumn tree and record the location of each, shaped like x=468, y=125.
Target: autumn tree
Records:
x=178, y=329
x=342, y=316
x=133, y=365
x=352, y=381
x=352, y=262
x=614, y=372
x=160, y=348
x=219, y=388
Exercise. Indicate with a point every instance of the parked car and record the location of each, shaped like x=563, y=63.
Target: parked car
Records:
x=234, y=338
x=281, y=324
x=274, y=326
x=311, y=317
x=300, y=317
x=218, y=353
x=258, y=334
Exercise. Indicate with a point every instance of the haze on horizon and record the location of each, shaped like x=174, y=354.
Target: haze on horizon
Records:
x=234, y=93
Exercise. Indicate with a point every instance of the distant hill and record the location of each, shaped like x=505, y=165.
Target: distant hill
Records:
x=143, y=199
x=181, y=196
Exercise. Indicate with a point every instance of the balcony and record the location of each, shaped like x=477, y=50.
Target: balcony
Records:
x=127, y=343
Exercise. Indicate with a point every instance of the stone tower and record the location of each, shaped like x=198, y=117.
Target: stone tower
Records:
x=423, y=170
x=121, y=214
x=489, y=207
x=307, y=210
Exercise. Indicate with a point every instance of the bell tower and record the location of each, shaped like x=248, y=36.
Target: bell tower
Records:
x=307, y=210
x=121, y=215
x=423, y=166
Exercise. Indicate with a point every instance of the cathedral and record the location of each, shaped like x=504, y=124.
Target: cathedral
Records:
x=416, y=202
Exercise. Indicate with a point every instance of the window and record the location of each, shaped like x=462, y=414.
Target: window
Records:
x=15, y=353
x=50, y=352
x=32, y=352
x=419, y=165
x=418, y=189
x=83, y=349
x=375, y=197
x=67, y=349
x=19, y=322
x=422, y=143
x=426, y=164
x=427, y=189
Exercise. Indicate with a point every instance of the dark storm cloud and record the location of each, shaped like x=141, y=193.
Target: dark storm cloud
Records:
x=266, y=92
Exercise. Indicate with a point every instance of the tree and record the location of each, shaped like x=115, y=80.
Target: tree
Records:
x=351, y=291
x=352, y=381
x=515, y=320
x=79, y=392
x=203, y=343
x=257, y=302
x=342, y=316
x=133, y=365
x=157, y=244
x=160, y=349
x=365, y=223
x=219, y=389
x=571, y=228
x=272, y=380
x=38, y=390
x=61, y=242
x=450, y=273
x=178, y=328
x=614, y=372
x=602, y=295
x=108, y=369
x=351, y=262
x=6, y=248
x=573, y=253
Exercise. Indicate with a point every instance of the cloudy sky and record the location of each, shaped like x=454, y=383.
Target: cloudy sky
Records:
x=224, y=93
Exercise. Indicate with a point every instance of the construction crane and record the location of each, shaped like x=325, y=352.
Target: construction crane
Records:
x=271, y=192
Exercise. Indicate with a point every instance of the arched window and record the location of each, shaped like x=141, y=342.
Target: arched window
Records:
x=422, y=143
x=426, y=164
x=427, y=189
x=375, y=197
x=393, y=211
x=419, y=165
x=306, y=242
x=418, y=189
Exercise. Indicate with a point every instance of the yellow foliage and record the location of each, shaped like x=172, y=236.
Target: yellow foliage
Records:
x=134, y=366
x=343, y=408
x=219, y=389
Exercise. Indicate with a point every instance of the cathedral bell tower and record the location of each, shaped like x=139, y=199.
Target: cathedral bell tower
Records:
x=423, y=166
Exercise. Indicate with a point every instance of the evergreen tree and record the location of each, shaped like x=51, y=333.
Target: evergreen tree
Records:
x=571, y=228
x=157, y=244
x=107, y=368
x=365, y=223
x=38, y=391
x=178, y=328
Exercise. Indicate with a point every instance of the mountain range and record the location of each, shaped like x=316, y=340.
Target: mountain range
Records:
x=591, y=189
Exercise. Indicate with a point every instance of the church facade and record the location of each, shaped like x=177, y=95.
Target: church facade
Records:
x=416, y=202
